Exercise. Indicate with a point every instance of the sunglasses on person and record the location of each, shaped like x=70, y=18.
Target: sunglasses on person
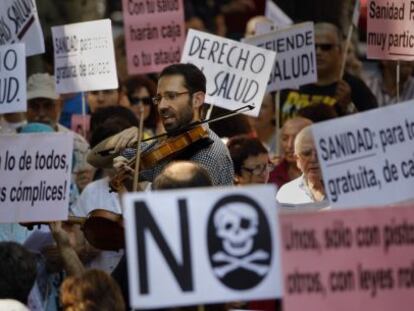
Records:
x=137, y=100
x=325, y=46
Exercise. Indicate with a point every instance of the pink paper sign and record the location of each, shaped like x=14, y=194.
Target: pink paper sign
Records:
x=81, y=124
x=359, y=259
x=390, y=33
x=154, y=34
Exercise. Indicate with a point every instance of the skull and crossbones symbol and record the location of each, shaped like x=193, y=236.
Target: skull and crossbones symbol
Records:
x=236, y=225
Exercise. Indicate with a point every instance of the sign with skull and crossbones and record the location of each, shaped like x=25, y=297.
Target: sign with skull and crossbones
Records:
x=237, y=225
x=202, y=246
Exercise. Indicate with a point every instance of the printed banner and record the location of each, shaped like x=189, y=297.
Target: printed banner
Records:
x=390, y=34
x=367, y=158
x=19, y=23
x=236, y=73
x=295, y=56
x=154, y=34
x=13, y=78
x=198, y=246
x=35, y=174
x=84, y=57
x=359, y=259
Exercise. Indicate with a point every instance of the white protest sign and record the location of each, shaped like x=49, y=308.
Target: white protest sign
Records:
x=84, y=57
x=12, y=78
x=367, y=158
x=35, y=173
x=389, y=29
x=198, y=246
x=296, y=59
x=236, y=73
x=19, y=23
x=275, y=14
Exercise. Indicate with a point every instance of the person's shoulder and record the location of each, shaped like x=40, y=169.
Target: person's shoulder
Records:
x=354, y=81
x=290, y=192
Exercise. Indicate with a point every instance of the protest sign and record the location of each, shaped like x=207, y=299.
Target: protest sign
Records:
x=154, y=34
x=236, y=73
x=198, y=246
x=19, y=23
x=367, y=158
x=295, y=63
x=389, y=29
x=360, y=259
x=84, y=57
x=35, y=172
x=12, y=78
x=275, y=14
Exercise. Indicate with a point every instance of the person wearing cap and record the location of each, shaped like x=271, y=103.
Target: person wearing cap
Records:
x=44, y=105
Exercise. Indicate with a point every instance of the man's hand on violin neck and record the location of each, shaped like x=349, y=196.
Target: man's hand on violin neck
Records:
x=126, y=138
x=121, y=166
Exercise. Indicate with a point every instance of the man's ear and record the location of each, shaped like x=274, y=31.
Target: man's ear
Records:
x=198, y=99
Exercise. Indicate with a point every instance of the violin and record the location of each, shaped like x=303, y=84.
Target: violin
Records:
x=166, y=149
x=103, y=229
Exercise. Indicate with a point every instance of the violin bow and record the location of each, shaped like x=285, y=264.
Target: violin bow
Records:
x=190, y=126
x=138, y=155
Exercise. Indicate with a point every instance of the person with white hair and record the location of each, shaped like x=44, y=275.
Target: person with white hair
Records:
x=308, y=188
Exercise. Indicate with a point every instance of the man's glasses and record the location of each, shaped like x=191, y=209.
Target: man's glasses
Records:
x=170, y=96
x=325, y=46
x=147, y=101
x=259, y=169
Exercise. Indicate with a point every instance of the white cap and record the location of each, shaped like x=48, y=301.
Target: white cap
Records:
x=41, y=85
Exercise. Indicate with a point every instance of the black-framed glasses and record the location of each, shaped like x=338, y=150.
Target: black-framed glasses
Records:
x=259, y=169
x=325, y=46
x=170, y=96
x=137, y=100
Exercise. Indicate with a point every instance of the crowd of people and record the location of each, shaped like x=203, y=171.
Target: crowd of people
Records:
x=64, y=271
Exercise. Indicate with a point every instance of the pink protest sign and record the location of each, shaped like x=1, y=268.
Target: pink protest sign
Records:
x=154, y=34
x=81, y=124
x=357, y=259
x=390, y=34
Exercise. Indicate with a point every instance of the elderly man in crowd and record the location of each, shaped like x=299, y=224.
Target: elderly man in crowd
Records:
x=44, y=106
x=309, y=187
x=287, y=170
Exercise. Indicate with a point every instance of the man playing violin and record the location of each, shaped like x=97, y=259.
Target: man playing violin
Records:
x=180, y=95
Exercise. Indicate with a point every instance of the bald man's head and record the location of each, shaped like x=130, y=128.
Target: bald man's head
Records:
x=182, y=174
x=306, y=157
x=251, y=24
x=289, y=131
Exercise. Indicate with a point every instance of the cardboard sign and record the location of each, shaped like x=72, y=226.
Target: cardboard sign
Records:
x=35, y=172
x=13, y=78
x=367, y=158
x=19, y=23
x=84, y=57
x=389, y=30
x=296, y=59
x=349, y=260
x=154, y=34
x=236, y=73
x=275, y=14
x=198, y=246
